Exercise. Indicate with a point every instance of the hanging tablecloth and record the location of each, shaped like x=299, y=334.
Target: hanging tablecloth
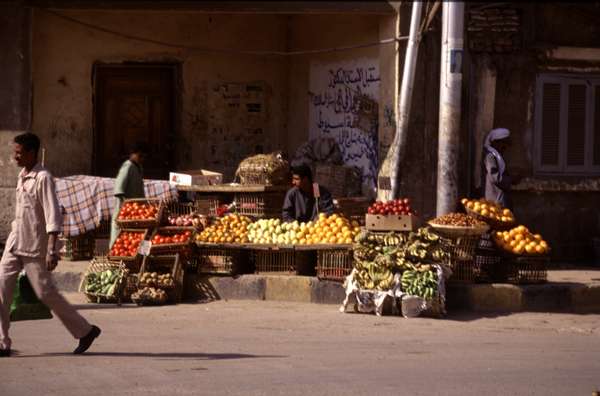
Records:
x=88, y=200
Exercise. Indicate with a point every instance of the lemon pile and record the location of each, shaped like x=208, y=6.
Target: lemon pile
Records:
x=489, y=209
x=521, y=241
x=232, y=228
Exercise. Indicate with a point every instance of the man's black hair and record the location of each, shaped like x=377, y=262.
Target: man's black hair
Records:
x=302, y=170
x=29, y=141
x=140, y=147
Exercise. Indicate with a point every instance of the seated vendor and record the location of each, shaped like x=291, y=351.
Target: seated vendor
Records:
x=299, y=203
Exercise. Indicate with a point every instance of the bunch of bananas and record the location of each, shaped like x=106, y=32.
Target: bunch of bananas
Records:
x=422, y=246
x=420, y=282
x=371, y=276
x=368, y=245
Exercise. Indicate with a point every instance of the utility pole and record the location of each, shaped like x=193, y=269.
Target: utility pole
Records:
x=450, y=99
x=408, y=82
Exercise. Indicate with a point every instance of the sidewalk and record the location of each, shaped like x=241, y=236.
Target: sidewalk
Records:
x=575, y=291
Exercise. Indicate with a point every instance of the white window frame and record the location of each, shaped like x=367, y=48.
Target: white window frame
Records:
x=588, y=169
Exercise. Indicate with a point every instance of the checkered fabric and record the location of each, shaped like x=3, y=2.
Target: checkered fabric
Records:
x=88, y=200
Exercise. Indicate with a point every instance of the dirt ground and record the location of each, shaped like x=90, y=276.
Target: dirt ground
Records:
x=276, y=348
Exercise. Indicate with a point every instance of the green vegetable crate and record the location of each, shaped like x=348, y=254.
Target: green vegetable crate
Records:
x=104, y=281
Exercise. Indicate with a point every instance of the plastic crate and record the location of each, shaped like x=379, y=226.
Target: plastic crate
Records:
x=334, y=264
x=284, y=261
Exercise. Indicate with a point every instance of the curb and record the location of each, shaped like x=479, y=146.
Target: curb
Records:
x=495, y=297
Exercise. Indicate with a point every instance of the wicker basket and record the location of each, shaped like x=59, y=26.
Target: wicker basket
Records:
x=172, y=248
x=129, y=260
x=302, y=262
x=149, y=223
x=260, y=205
x=101, y=264
x=165, y=265
x=526, y=269
x=334, y=264
x=456, y=231
x=488, y=266
x=264, y=169
x=494, y=224
x=222, y=261
x=79, y=248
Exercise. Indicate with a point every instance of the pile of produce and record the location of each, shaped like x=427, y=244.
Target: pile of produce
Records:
x=149, y=295
x=393, y=207
x=378, y=256
x=521, y=241
x=168, y=238
x=458, y=220
x=420, y=282
x=267, y=231
x=188, y=220
x=138, y=211
x=127, y=244
x=154, y=279
x=334, y=229
x=103, y=283
x=489, y=210
x=232, y=228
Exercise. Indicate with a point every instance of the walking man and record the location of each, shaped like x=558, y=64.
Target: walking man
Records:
x=31, y=245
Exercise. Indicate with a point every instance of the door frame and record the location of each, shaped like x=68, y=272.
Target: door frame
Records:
x=174, y=66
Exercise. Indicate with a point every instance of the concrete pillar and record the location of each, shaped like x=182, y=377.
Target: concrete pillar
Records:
x=450, y=106
x=484, y=95
x=15, y=99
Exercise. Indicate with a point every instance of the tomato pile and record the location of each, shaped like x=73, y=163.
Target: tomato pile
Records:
x=127, y=244
x=394, y=207
x=137, y=211
x=181, y=237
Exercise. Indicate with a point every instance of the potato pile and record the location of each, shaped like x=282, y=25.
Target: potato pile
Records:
x=458, y=220
x=521, y=241
x=153, y=279
x=149, y=295
x=489, y=209
x=232, y=228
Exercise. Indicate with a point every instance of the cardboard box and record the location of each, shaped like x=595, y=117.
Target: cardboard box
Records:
x=377, y=222
x=200, y=177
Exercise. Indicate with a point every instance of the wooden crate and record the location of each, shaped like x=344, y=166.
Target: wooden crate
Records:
x=391, y=222
x=172, y=248
x=128, y=260
x=165, y=265
x=79, y=248
x=334, y=264
x=285, y=261
x=222, y=260
x=148, y=223
x=260, y=205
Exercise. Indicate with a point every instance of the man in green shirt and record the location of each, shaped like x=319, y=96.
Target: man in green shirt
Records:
x=129, y=183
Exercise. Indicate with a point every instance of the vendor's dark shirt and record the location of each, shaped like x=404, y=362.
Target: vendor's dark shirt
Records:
x=301, y=206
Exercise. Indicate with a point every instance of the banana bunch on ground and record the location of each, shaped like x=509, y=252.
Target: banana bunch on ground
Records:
x=420, y=282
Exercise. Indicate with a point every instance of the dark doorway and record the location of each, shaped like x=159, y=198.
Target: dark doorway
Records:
x=134, y=103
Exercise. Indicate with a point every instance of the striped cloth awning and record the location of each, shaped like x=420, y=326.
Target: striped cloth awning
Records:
x=88, y=200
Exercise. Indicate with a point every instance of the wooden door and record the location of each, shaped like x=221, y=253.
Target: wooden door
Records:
x=134, y=103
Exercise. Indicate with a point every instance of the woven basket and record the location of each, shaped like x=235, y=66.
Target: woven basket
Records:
x=494, y=224
x=264, y=169
x=456, y=231
x=528, y=269
x=98, y=265
x=165, y=265
x=149, y=223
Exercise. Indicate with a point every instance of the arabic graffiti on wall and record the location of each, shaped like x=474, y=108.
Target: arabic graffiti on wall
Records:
x=340, y=95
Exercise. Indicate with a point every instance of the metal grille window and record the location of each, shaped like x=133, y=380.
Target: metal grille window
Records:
x=567, y=125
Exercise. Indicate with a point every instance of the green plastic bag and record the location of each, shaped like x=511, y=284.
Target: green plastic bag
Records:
x=26, y=305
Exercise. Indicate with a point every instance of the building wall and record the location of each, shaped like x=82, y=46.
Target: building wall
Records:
x=64, y=54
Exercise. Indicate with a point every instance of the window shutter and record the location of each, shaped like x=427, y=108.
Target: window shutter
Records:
x=576, y=125
x=596, y=130
x=550, y=136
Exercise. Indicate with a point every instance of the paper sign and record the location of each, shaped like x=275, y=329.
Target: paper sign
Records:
x=144, y=248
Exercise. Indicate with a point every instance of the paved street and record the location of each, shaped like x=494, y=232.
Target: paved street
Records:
x=276, y=348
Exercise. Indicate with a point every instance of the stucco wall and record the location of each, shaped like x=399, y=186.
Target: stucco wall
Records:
x=66, y=51
x=310, y=32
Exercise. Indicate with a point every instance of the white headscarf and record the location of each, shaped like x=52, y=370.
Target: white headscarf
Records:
x=496, y=134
